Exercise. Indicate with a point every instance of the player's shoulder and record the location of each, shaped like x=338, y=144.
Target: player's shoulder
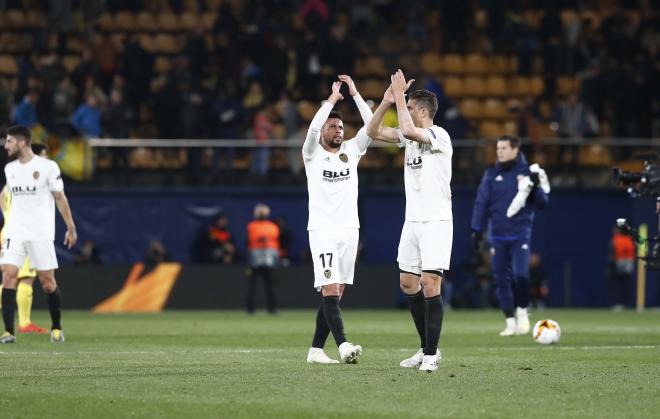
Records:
x=438, y=132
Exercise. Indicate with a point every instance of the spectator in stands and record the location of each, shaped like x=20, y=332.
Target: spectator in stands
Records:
x=226, y=117
x=6, y=104
x=574, y=123
x=221, y=246
x=621, y=267
x=286, y=241
x=262, y=129
x=263, y=255
x=196, y=53
x=291, y=121
x=87, y=69
x=26, y=111
x=64, y=102
x=87, y=118
x=115, y=125
x=137, y=69
x=106, y=57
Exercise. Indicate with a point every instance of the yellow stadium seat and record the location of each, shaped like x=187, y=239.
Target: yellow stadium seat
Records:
x=537, y=85
x=493, y=108
x=471, y=108
x=147, y=42
x=431, y=63
x=70, y=62
x=166, y=44
x=490, y=129
x=168, y=22
x=8, y=65
x=567, y=85
x=190, y=21
x=474, y=86
x=519, y=86
x=208, y=20
x=510, y=128
x=453, y=86
x=498, y=64
x=594, y=155
x=306, y=110
x=476, y=64
x=125, y=21
x=496, y=86
x=372, y=88
x=146, y=22
x=453, y=63
x=162, y=64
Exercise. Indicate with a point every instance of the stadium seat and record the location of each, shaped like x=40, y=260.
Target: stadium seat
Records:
x=519, y=86
x=208, y=20
x=474, y=86
x=431, y=63
x=510, y=127
x=493, y=108
x=453, y=86
x=146, y=22
x=476, y=64
x=496, y=86
x=15, y=19
x=453, y=64
x=147, y=42
x=166, y=44
x=499, y=64
x=410, y=64
x=371, y=67
x=490, y=129
x=168, y=22
x=190, y=21
x=162, y=64
x=306, y=110
x=70, y=62
x=125, y=21
x=372, y=88
x=471, y=108
x=8, y=66
x=567, y=85
x=36, y=20
x=107, y=22
x=594, y=155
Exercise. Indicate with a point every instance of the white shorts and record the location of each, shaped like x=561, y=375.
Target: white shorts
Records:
x=333, y=253
x=425, y=245
x=41, y=253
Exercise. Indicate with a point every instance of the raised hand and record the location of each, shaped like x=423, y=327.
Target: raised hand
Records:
x=399, y=83
x=335, y=96
x=350, y=83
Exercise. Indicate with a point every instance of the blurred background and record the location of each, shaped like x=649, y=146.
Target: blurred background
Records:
x=172, y=119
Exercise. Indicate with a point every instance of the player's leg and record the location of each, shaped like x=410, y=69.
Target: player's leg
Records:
x=13, y=255
x=520, y=264
x=9, y=283
x=410, y=268
x=270, y=290
x=436, y=243
x=503, y=276
x=251, y=290
x=321, y=244
x=43, y=259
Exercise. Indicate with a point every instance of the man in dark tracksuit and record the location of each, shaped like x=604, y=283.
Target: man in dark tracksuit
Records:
x=508, y=195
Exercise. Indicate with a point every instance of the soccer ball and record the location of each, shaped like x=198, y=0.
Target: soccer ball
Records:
x=546, y=332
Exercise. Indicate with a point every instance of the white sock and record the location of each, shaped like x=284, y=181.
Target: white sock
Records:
x=521, y=312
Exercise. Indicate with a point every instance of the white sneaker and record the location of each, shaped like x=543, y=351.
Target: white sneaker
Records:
x=416, y=360
x=317, y=356
x=349, y=353
x=511, y=328
x=429, y=363
x=522, y=321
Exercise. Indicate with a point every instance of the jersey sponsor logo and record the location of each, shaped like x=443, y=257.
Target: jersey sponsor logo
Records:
x=35, y=175
x=415, y=163
x=499, y=178
x=327, y=273
x=343, y=157
x=330, y=176
x=432, y=133
x=23, y=190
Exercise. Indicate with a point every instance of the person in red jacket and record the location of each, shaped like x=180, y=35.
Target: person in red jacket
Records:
x=263, y=255
x=622, y=266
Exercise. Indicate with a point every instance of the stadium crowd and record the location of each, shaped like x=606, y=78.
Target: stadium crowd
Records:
x=247, y=69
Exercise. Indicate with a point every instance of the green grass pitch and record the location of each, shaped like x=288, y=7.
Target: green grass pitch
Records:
x=226, y=364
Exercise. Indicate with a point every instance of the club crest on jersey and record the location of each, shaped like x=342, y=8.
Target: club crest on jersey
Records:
x=35, y=175
x=327, y=273
x=343, y=157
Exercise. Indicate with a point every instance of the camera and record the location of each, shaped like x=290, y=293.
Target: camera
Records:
x=644, y=183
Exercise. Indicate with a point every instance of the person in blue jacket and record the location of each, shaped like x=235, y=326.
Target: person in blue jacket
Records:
x=508, y=195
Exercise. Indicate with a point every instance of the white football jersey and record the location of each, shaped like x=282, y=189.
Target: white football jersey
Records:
x=332, y=183
x=31, y=186
x=427, y=176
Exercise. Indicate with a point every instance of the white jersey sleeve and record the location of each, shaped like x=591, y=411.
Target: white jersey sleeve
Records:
x=311, y=143
x=55, y=182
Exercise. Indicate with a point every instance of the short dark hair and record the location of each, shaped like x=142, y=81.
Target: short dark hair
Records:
x=426, y=99
x=514, y=142
x=20, y=131
x=38, y=148
x=336, y=114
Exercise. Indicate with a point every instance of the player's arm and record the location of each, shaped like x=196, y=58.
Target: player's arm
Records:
x=312, y=138
x=408, y=129
x=62, y=203
x=2, y=199
x=479, y=212
x=365, y=110
x=375, y=129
